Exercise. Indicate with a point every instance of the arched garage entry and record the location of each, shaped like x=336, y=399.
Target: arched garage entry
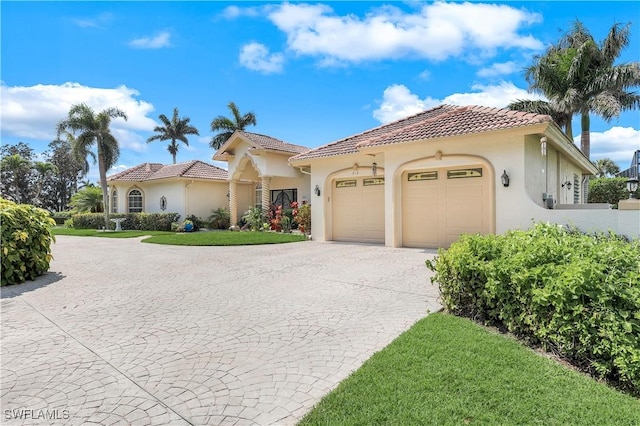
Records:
x=357, y=206
x=442, y=199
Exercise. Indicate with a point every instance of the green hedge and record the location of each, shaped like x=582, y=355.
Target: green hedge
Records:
x=26, y=242
x=61, y=217
x=609, y=190
x=133, y=221
x=575, y=294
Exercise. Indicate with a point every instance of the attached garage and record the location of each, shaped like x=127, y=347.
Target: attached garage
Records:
x=440, y=204
x=358, y=209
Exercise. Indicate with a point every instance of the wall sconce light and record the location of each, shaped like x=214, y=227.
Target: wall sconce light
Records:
x=567, y=184
x=316, y=190
x=543, y=145
x=374, y=169
x=505, y=179
x=632, y=186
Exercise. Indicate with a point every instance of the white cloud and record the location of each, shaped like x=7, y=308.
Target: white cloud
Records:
x=617, y=143
x=256, y=56
x=498, y=69
x=116, y=169
x=425, y=75
x=398, y=101
x=160, y=40
x=32, y=112
x=97, y=22
x=437, y=31
x=233, y=12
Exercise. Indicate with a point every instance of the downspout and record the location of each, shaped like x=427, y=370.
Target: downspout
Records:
x=186, y=198
x=303, y=171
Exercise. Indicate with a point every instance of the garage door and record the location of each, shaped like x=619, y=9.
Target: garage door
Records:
x=358, y=210
x=440, y=204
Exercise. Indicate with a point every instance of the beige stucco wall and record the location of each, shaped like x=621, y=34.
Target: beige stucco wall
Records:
x=184, y=197
x=515, y=206
x=204, y=196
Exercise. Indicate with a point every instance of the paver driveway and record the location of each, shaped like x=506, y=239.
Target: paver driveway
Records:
x=121, y=332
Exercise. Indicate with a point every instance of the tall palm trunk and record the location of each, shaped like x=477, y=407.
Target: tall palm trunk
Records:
x=585, y=137
x=103, y=183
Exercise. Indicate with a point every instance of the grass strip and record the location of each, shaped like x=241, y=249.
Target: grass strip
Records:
x=447, y=370
x=224, y=238
x=105, y=234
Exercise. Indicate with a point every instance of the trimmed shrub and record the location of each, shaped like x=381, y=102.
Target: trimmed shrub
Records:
x=609, y=190
x=26, y=242
x=133, y=221
x=577, y=295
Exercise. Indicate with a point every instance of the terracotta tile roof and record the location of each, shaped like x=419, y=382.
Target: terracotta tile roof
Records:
x=438, y=122
x=267, y=142
x=194, y=169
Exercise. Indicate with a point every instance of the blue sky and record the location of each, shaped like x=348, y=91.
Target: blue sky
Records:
x=311, y=72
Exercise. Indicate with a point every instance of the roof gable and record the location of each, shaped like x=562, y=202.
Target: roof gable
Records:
x=257, y=141
x=194, y=169
x=438, y=122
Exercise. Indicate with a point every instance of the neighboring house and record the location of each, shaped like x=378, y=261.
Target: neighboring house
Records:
x=634, y=169
x=260, y=174
x=191, y=188
x=424, y=180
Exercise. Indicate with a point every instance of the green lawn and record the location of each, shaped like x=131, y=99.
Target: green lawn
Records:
x=223, y=238
x=214, y=238
x=447, y=370
x=108, y=234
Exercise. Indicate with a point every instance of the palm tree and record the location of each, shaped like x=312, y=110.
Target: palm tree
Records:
x=579, y=76
x=606, y=167
x=228, y=126
x=174, y=130
x=94, y=129
x=88, y=199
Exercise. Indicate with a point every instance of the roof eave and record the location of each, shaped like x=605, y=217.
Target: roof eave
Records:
x=562, y=141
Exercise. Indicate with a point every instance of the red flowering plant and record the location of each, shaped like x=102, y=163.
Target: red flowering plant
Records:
x=302, y=217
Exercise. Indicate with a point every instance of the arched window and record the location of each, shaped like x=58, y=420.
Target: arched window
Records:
x=114, y=200
x=135, y=201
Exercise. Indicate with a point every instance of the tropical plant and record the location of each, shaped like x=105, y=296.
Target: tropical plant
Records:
x=609, y=190
x=227, y=126
x=219, y=218
x=16, y=179
x=174, y=130
x=254, y=218
x=606, y=168
x=88, y=200
x=579, y=76
x=302, y=216
x=94, y=129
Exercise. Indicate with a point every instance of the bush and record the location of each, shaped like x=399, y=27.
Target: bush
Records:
x=61, y=217
x=196, y=222
x=254, y=218
x=609, y=190
x=575, y=294
x=219, y=219
x=26, y=242
x=133, y=221
x=68, y=223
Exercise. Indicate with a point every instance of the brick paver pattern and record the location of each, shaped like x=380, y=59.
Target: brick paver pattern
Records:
x=122, y=332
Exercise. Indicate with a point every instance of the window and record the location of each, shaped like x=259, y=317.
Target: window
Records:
x=284, y=197
x=135, y=201
x=258, y=203
x=576, y=189
x=114, y=200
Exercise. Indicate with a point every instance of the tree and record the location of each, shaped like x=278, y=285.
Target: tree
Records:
x=175, y=129
x=44, y=171
x=16, y=178
x=94, y=129
x=70, y=171
x=88, y=199
x=579, y=76
x=228, y=126
x=606, y=168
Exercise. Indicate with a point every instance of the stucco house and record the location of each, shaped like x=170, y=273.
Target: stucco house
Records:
x=260, y=174
x=190, y=188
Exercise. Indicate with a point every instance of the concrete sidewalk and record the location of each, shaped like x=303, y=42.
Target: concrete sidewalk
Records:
x=121, y=332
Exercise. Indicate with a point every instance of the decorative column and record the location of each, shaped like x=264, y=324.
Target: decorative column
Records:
x=233, y=202
x=266, y=194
